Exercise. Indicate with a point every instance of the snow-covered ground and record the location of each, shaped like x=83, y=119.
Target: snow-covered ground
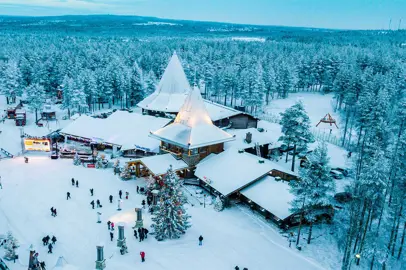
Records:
x=232, y=237
x=317, y=106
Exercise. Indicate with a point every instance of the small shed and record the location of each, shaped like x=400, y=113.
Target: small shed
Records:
x=48, y=113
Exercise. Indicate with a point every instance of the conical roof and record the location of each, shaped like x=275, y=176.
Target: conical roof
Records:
x=171, y=91
x=192, y=127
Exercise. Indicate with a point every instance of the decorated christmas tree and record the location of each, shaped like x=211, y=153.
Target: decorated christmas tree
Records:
x=125, y=174
x=11, y=246
x=218, y=204
x=76, y=160
x=170, y=218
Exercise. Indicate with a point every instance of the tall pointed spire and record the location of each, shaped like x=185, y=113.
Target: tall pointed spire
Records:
x=193, y=111
x=171, y=91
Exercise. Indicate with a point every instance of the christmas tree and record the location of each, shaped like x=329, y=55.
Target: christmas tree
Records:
x=218, y=204
x=170, y=218
x=11, y=246
x=125, y=174
x=76, y=160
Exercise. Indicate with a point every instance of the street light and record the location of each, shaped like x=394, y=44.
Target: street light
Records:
x=204, y=200
x=356, y=258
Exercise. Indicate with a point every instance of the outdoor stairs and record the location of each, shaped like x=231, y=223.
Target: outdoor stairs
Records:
x=258, y=149
x=5, y=154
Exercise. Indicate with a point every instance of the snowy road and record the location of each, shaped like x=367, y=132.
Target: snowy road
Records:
x=232, y=237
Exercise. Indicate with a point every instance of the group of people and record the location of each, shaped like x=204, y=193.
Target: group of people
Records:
x=98, y=204
x=53, y=211
x=238, y=268
x=120, y=194
x=45, y=242
x=142, y=233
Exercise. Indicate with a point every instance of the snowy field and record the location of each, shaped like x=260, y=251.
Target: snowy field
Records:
x=316, y=105
x=232, y=237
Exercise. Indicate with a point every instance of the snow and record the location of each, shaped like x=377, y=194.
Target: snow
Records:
x=337, y=155
x=257, y=137
x=121, y=128
x=217, y=111
x=230, y=170
x=272, y=130
x=192, y=127
x=159, y=164
x=231, y=237
x=316, y=105
x=171, y=91
x=272, y=195
x=248, y=39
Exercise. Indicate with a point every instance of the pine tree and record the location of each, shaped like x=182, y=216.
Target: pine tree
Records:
x=296, y=130
x=11, y=246
x=218, y=204
x=170, y=218
x=76, y=160
x=10, y=84
x=36, y=97
x=315, y=189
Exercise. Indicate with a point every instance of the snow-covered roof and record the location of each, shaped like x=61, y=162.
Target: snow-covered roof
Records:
x=272, y=195
x=192, y=127
x=261, y=138
x=129, y=130
x=159, y=164
x=231, y=170
x=273, y=130
x=217, y=111
x=171, y=91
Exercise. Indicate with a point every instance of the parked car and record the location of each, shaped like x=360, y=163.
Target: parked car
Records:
x=343, y=171
x=336, y=174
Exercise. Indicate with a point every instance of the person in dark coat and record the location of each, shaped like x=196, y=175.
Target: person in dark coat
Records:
x=52, y=211
x=55, y=214
x=142, y=254
x=50, y=248
x=143, y=204
x=145, y=233
x=108, y=224
x=245, y=268
x=77, y=183
x=73, y=182
x=92, y=203
x=53, y=240
x=91, y=192
x=47, y=239
x=237, y=268
x=43, y=265
x=44, y=241
x=200, y=240
x=120, y=193
x=149, y=202
x=135, y=234
x=111, y=198
x=68, y=195
x=111, y=236
x=97, y=203
x=138, y=189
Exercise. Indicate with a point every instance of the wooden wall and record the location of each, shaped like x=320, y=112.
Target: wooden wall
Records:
x=243, y=121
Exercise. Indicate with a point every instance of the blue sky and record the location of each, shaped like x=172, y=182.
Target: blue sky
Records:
x=344, y=14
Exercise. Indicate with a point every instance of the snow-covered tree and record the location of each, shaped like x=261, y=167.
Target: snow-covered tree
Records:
x=218, y=204
x=315, y=188
x=296, y=130
x=10, y=85
x=11, y=245
x=76, y=160
x=170, y=218
x=36, y=98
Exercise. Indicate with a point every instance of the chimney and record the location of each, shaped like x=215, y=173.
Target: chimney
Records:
x=248, y=137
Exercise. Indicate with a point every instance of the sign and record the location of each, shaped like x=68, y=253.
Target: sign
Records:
x=43, y=145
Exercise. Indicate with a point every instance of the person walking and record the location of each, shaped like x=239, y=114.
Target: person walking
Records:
x=143, y=204
x=50, y=248
x=111, y=198
x=77, y=183
x=145, y=233
x=91, y=192
x=52, y=211
x=200, y=240
x=108, y=225
x=138, y=189
x=126, y=195
x=73, y=182
x=92, y=203
x=68, y=195
x=237, y=268
x=112, y=226
x=142, y=254
x=53, y=239
x=111, y=236
x=245, y=268
x=43, y=265
x=120, y=193
x=47, y=239
x=135, y=234
x=97, y=203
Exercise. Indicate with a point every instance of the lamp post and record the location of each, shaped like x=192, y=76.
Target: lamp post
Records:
x=99, y=217
x=356, y=258
x=119, y=204
x=204, y=200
